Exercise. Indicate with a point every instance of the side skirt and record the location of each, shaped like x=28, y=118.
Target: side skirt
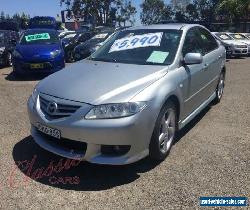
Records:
x=184, y=122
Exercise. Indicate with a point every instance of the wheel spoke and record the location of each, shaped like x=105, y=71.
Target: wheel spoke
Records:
x=171, y=131
x=164, y=125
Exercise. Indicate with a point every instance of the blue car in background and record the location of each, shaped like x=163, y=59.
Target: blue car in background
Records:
x=38, y=51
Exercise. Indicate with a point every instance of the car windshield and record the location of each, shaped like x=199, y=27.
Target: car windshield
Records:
x=223, y=36
x=238, y=36
x=143, y=47
x=39, y=37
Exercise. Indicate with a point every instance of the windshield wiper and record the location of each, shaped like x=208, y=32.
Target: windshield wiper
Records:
x=103, y=59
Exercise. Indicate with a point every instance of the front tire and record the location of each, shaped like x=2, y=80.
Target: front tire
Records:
x=220, y=88
x=164, y=132
x=9, y=59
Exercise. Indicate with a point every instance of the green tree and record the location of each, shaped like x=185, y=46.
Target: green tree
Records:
x=101, y=10
x=154, y=11
x=232, y=8
x=235, y=10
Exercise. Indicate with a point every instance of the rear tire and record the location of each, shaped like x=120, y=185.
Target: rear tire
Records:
x=164, y=132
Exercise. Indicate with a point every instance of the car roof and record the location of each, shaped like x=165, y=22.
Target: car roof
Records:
x=175, y=26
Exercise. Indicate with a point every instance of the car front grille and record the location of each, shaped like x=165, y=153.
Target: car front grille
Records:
x=62, y=110
x=241, y=46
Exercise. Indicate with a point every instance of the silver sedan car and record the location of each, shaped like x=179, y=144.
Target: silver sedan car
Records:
x=129, y=99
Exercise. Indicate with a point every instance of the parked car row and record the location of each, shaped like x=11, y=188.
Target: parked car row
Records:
x=236, y=44
x=80, y=44
x=44, y=50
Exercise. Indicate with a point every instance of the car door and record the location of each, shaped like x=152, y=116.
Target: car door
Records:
x=213, y=58
x=195, y=80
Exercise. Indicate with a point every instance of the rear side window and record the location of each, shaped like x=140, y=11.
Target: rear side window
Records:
x=192, y=42
x=207, y=40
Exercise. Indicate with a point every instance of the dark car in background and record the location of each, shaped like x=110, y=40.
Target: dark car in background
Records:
x=43, y=22
x=86, y=49
x=8, y=40
x=70, y=43
x=38, y=51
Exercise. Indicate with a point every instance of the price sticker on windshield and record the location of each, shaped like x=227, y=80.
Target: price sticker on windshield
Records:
x=100, y=36
x=34, y=37
x=137, y=41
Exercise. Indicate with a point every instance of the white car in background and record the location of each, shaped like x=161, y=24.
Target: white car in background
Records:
x=241, y=38
x=233, y=47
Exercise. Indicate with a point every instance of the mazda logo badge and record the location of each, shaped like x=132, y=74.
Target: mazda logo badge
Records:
x=52, y=107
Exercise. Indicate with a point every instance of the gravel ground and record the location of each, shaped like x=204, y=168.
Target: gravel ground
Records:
x=211, y=158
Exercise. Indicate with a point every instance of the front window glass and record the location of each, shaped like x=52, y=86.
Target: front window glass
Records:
x=207, y=40
x=143, y=47
x=192, y=44
x=39, y=37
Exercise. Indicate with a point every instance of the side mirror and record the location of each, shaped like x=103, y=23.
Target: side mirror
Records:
x=193, y=58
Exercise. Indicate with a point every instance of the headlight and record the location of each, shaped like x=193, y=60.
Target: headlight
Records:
x=34, y=95
x=17, y=54
x=55, y=53
x=109, y=111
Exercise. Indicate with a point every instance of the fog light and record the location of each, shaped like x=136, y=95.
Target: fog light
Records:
x=115, y=150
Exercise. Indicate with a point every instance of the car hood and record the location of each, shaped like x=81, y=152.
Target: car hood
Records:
x=31, y=50
x=100, y=82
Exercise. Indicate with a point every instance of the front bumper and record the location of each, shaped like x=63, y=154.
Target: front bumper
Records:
x=240, y=51
x=50, y=65
x=134, y=131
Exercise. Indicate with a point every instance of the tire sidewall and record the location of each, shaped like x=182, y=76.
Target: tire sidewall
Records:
x=154, y=147
x=218, y=99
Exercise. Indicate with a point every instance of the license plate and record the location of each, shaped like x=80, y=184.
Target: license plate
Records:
x=49, y=131
x=36, y=66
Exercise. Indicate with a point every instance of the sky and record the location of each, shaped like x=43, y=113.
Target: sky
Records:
x=44, y=7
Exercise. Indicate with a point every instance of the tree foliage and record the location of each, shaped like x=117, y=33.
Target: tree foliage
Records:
x=154, y=11
x=20, y=19
x=103, y=11
x=206, y=11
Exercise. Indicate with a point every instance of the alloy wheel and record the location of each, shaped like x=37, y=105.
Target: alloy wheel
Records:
x=167, y=130
x=221, y=86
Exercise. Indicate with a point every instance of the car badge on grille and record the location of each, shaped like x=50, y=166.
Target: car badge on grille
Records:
x=52, y=107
